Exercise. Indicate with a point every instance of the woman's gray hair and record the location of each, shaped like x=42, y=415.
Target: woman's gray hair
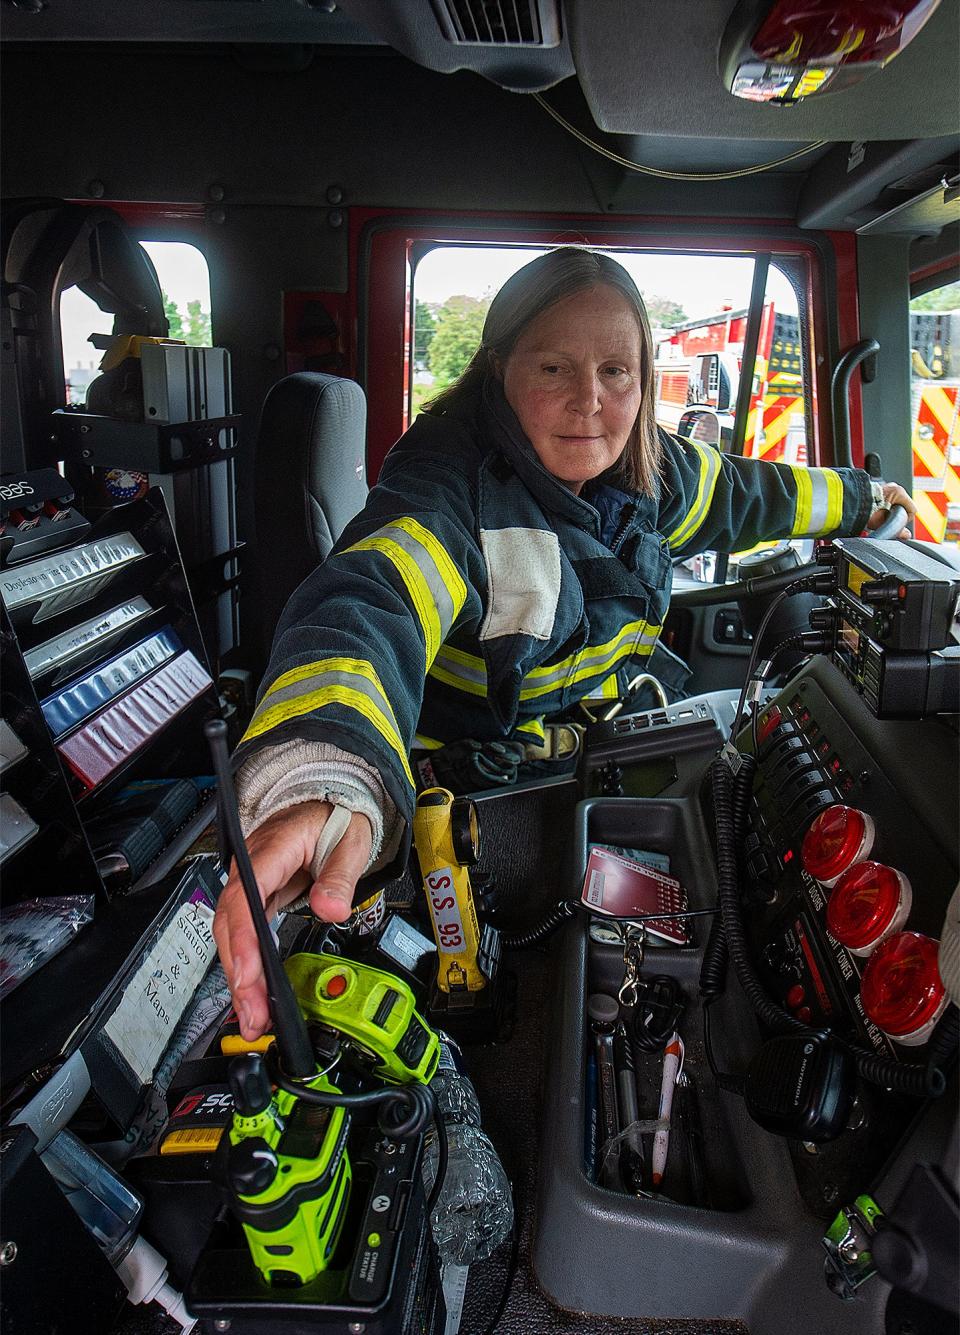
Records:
x=528, y=293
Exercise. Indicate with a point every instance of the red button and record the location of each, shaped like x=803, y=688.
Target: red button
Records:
x=804, y=1014
x=336, y=986
x=796, y=996
x=901, y=988
x=769, y=723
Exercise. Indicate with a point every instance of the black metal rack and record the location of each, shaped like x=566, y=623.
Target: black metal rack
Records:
x=58, y=859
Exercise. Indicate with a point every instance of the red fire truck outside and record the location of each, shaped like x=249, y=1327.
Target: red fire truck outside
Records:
x=697, y=368
x=935, y=401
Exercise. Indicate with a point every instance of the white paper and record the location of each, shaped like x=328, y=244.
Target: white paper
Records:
x=155, y=998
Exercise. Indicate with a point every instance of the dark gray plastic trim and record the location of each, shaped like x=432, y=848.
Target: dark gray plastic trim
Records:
x=599, y=1251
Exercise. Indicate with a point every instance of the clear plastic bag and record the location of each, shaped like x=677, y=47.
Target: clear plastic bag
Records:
x=35, y=930
x=474, y=1211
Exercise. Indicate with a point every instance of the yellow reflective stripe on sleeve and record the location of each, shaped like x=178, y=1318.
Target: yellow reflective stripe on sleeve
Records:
x=804, y=504
x=534, y=726
x=417, y=587
x=463, y=671
x=346, y=681
x=331, y=695
x=706, y=486
x=834, y=500
x=449, y=573
x=427, y=743
x=819, y=501
x=435, y=586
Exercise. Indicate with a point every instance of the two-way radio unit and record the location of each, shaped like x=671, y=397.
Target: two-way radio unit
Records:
x=306, y=1185
x=892, y=623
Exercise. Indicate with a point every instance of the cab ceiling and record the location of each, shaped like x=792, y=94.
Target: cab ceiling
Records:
x=637, y=77
x=646, y=67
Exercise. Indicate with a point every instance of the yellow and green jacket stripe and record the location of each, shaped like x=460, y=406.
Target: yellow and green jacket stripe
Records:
x=475, y=595
x=715, y=502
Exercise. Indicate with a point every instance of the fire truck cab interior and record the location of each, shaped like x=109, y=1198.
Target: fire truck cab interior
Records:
x=801, y=802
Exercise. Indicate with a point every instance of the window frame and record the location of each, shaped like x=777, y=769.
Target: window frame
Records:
x=386, y=247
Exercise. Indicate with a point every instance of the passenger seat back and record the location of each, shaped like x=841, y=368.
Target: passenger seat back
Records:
x=310, y=478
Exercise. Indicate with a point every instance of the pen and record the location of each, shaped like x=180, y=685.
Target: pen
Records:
x=672, y=1057
x=688, y=1120
x=631, y=1151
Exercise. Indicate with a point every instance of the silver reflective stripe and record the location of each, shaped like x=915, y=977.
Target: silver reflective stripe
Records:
x=706, y=486
x=446, y=610
x=460, y=669
x=315, y=682
x=827, y=489
x=350, y=683
x=432, y=580
x=637, y=637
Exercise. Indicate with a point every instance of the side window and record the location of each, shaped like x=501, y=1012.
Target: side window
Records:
x=698, y=306
x=699, y=365
x=185, y=281
x=698, y=314
x=452, y=290
x=934, y=407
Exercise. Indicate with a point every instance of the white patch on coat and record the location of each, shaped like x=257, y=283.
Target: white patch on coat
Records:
x=523, y=580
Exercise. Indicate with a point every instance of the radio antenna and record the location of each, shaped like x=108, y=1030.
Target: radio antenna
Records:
x=296, y=1051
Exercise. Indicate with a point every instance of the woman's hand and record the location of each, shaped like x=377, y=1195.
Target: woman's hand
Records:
x=893, y=494
x=281, y=851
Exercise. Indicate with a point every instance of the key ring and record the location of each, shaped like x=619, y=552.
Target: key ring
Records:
x=633, y=939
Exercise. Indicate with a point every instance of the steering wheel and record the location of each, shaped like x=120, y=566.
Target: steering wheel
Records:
x=709, y=595
x=891, y=526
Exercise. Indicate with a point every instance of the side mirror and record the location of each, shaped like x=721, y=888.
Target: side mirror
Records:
x=706, y=427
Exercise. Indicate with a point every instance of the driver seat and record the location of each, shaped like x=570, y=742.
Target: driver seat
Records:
x=310, y=479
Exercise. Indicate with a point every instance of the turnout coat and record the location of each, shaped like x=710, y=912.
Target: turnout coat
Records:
x=476, y=595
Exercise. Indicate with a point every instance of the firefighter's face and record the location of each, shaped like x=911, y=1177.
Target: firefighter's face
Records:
x=573, y=380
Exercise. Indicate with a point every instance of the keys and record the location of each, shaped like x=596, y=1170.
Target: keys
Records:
x=634, y=937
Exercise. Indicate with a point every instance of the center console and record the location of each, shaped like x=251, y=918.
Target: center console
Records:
x=747, y=1245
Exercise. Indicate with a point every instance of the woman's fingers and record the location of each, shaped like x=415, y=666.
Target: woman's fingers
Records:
x=281, y=851
x=331, y=897
x=893, y=494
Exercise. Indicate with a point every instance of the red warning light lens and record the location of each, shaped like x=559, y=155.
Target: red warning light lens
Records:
x=838, y=838
x=768, y=723
x=901, y=989
x=868, y=903
x=336, y=986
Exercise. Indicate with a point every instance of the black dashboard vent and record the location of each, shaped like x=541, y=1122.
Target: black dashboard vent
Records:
x=500, y=22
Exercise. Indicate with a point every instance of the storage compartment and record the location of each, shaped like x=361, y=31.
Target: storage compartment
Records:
x=749, y=1243
x=663, y=828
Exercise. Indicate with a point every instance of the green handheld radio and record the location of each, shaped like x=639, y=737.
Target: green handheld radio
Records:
x=286, y=1163
x=288, y=1173
x=374, y=1009
x=287, y=1168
